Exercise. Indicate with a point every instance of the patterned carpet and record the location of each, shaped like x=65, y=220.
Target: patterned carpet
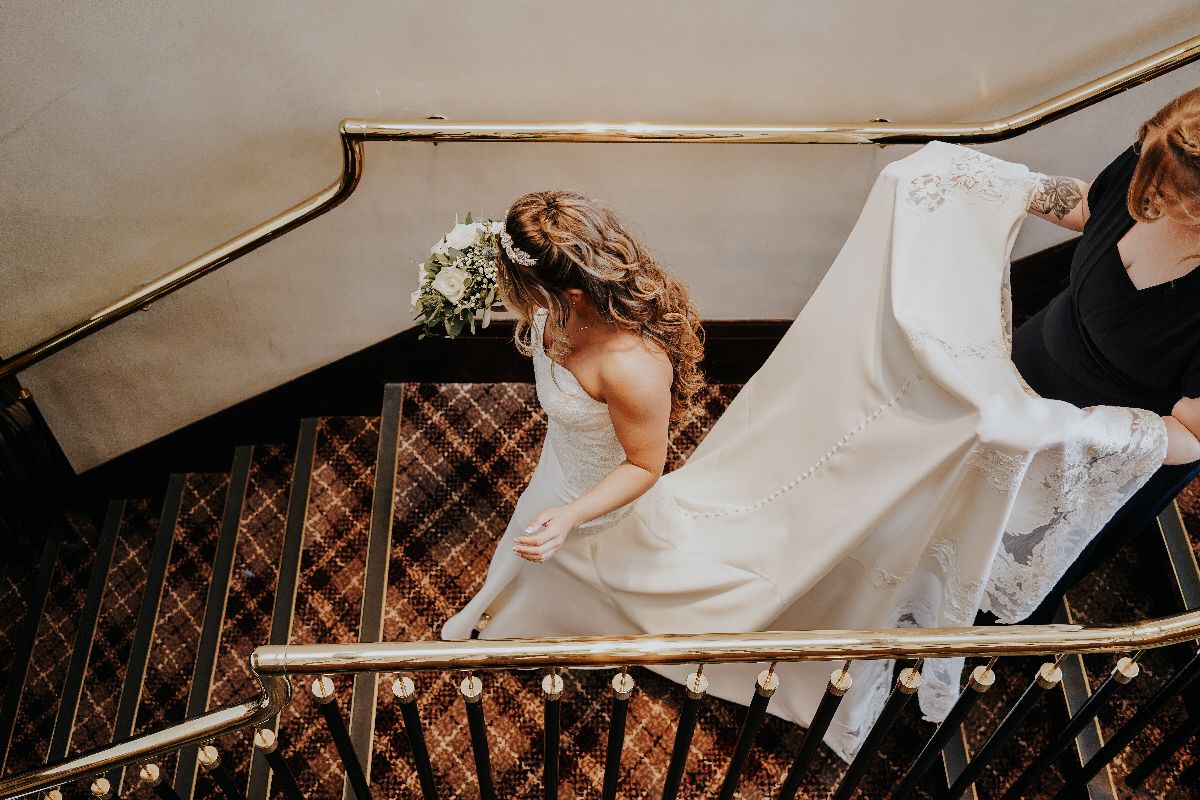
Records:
x=55, y=640
x=329, y=595
x=115, y=627
x=251, y=596
x=465, y=453
x=181, y=609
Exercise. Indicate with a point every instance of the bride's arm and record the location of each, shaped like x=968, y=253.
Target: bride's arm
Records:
x=637, y=388
x=1060, y=200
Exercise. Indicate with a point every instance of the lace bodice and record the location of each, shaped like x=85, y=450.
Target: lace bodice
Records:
x=580, y=432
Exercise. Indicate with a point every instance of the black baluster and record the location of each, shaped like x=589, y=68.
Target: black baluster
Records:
x=472, y=692
x=907, y=684
x=323, y=691
x=1178, y=683
x=1125, y=671
x=1163, y=753
x=266, y=741
x=210, y=760
x=695, y=686
x=1048, y=676
x=839, y=683
x=150, y=775
x=552, y=689
x=764, y=687
x=982, y=678
x=405, y=691
x=622, y=686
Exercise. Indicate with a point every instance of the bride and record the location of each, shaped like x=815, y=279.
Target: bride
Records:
x=887, y=466
x=616, y=348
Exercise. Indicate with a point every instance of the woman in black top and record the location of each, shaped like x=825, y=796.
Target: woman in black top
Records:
x=1126, y=330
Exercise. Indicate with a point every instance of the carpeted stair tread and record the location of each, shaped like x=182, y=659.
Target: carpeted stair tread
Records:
x=329, y=592
x=24, y=587
x=247, y=622
x=52, y=649
x=164, y=691
x=465, y=454
x=16, y=590
x=115, y=627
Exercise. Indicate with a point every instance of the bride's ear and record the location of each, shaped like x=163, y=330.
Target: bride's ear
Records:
x=573, y=296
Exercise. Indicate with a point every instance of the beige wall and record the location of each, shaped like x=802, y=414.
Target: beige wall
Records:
x=134, y=136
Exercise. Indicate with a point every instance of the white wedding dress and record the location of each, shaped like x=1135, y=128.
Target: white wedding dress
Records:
x=886, y=467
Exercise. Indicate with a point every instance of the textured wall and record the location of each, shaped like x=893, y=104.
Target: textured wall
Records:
x=134, y=136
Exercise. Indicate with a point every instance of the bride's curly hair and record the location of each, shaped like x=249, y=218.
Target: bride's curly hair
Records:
x=580, y=244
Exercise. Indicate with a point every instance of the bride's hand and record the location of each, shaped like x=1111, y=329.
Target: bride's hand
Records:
x=547, y=532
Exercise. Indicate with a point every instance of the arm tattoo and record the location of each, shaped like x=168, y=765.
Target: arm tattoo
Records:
x=1056, y=195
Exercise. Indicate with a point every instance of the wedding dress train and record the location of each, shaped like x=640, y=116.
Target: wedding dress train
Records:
x=886, y=467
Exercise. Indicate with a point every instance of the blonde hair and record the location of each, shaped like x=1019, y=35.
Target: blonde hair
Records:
x=1166, y=180
x=580, y=244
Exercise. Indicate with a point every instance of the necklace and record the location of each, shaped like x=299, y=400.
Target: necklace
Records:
x=578, y=330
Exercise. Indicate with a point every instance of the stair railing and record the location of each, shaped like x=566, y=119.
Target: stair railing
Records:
x=354, y=132
x=274, y=665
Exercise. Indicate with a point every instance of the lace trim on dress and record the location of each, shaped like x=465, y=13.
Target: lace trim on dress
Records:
x=820, y=462
x=1093, y=477
x=996, y=348
x=1004, y=471
x=973, y=177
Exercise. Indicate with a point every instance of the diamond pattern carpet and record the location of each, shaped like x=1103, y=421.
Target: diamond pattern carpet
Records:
x=465, y=453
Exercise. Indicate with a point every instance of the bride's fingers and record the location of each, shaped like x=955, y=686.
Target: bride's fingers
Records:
x=539, y=552
x=534, y=541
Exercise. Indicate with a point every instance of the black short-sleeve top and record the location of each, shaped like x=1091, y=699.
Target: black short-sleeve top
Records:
x=1117, y=344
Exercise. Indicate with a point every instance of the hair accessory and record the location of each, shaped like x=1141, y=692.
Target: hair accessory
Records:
x=516, y=254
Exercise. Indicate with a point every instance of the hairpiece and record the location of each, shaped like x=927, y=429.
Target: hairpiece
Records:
x=516, y=254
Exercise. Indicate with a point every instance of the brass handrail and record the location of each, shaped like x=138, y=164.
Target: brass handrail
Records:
x=356, y=131
x=274, y=663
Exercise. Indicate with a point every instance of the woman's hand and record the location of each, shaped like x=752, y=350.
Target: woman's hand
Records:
x=1183, y=432
x=547, y=532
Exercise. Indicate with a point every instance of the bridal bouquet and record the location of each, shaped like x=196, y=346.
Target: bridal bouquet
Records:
x=458, y=280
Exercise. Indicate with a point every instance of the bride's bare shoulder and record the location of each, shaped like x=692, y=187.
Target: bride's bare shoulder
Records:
x=632, y=365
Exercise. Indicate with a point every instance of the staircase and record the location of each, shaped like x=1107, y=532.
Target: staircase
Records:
x=380, y=528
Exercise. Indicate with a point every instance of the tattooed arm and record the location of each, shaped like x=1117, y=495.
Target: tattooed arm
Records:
x=1060, y=200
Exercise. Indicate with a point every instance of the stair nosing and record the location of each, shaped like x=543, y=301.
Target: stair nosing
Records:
x=143, y=637
x=955, y=757
x=1180, y=555
x=15, y=685
x=85, y=634
x=208, y=648
x=379, y=540
x=290, y=552
x=1076, y=688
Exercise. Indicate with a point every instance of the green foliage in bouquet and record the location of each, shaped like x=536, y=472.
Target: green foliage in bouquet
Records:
x=458, y=280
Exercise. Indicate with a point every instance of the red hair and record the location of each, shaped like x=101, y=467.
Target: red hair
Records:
x=1166, y=180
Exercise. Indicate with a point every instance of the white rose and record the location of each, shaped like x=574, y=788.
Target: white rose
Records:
x=439, y=249
x=496, y=226
x=416, y=298
x=451, y=282
x=462, y=235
